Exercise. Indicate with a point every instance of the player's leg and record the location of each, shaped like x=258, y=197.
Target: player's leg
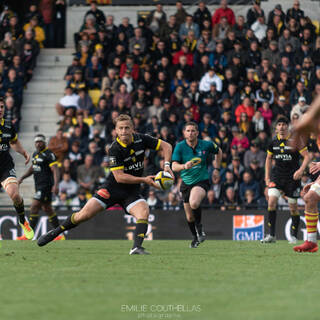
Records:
x=92, y=207
x=311, y=199
x=295, y=218
x=53, y=218
x=185, y=190
x=140, y=210
x=192, y=225
x=273, y=196
x=33, y=217
x=197, y=194
x=10, y=185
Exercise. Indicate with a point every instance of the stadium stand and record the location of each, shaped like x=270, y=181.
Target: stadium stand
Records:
x=234, y=74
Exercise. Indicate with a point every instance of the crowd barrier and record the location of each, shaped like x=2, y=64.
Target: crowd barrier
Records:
x=115, y=224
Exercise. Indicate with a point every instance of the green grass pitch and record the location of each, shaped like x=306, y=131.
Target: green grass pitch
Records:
x=98, y=280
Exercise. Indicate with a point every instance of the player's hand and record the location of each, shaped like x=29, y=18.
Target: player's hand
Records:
x=55, y=189
x=150, y=181
x=306, y=188
x=168, y=169
x=27, y=157
x=20, y=181
x=314, y=167
x=267, y=181
x=188, y=165
x=297, y=175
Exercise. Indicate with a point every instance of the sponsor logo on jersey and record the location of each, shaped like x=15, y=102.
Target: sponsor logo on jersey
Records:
x=196, y=161
x=104, y=193
x=4, y=147
x=135, y=166
x=248, y=227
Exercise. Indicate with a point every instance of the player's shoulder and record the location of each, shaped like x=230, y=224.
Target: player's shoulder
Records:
x=207, y=144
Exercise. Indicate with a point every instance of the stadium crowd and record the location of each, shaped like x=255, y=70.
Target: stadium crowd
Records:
x=233, y=75
x=21, y=38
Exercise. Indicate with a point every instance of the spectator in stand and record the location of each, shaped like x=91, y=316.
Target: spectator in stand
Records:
x=46, y=8
x=202, y=14
x=249, y=184
x=259, y=28
x=153, y=201
x=157, y=18
x=38, y=31
x=181, y=13
x=295, y=12
x=97, y=13
x=209, y=78
x=266, y=112
x=245, y=107
x=189, y=25
x=254, y=12
x=223, y=11
x=124, y=95
x=300, y=108
x=88, y=174
x=68, y=104
x=230, y=202
x=68, y=186
x=93, y=73
x=254, y=153
x=59, y=145
x=236, y=167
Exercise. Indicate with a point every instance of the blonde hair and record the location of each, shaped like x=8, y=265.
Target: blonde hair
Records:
x=123, y=117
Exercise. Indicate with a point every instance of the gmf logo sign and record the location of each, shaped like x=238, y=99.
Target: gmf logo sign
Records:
x=248, y=227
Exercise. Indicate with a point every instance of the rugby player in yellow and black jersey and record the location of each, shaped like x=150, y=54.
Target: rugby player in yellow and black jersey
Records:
x=123, y=185
x=8, y=178
x=284, y=177
x=46, y=179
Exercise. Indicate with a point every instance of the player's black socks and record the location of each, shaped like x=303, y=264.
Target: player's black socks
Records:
x=33, y=219
x=66, y=225
x=197, y=215
x=192, y=227
x=53, y=219
x=140, y=232
x=295, y=225
x=20, y=211
x=272, y=216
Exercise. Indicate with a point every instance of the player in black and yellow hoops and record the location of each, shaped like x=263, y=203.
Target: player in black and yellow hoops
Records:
x=284, y=177
x=126, y=158
x=8, y=178
x=46, y=178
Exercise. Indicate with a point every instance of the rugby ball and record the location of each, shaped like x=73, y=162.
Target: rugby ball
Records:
x=164, y=180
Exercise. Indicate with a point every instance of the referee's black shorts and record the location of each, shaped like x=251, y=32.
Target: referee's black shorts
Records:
x=186, y=188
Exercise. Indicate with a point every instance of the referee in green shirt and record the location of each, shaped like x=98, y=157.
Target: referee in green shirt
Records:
x=190, y=157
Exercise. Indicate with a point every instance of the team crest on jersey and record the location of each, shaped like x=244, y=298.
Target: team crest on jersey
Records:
x=112, y=161
x=104, y=193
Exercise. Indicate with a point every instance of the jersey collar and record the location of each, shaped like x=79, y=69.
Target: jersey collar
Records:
x=286, y=138
x=123, y=144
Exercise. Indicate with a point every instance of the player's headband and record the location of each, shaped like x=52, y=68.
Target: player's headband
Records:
x=39, y=139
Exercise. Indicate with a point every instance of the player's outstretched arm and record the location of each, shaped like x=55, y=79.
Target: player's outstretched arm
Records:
x=308, y=123
x=17, y=147
x=217, y=160
x=56, y=178
x=268, y=166
x=126, y=178
x=166, y=148
x=27, y=174
x=306, y=160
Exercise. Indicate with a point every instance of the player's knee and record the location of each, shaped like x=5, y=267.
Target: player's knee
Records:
x=310, y=198
x=15, y=197
x=194, y=204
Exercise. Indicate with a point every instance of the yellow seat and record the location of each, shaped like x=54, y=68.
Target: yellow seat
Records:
x=95, y=95
x=317, y=25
